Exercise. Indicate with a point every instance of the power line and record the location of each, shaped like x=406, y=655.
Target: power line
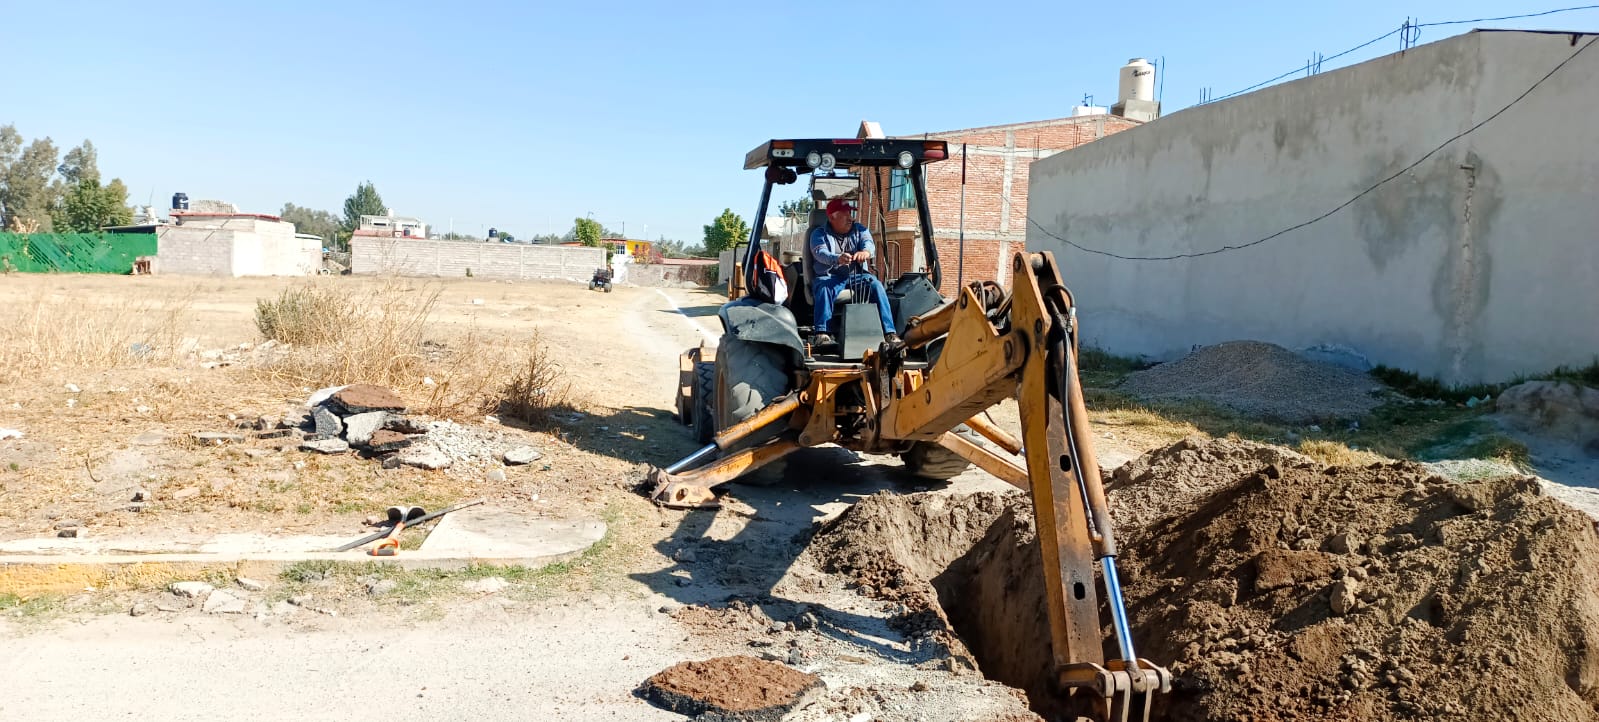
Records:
x=1410, y=29
x=1340, y=206
x=1509, y=17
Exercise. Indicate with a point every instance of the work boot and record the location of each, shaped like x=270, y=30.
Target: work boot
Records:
x=822, y=339
x=891, y=338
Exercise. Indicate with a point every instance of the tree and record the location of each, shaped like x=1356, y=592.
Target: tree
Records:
x=313, y=222
x=587, y=231
x=725, y=232
x=678, y=249
x=86, y=206
x=365, y=201
x=797, y=207
x=547, y=238
x=26, y=193
x=80, y=164
x=453, y=236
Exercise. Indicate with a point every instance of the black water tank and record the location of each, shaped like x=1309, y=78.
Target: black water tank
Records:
x=180, y=201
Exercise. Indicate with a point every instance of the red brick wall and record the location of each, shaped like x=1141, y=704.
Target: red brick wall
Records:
x=991, y=231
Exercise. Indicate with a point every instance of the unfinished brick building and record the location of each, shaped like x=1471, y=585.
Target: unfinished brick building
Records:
x=997, y=161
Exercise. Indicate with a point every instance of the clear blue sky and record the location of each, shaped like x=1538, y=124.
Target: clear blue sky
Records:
x=524, y=116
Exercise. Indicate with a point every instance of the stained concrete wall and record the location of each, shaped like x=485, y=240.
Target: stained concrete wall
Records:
x=412, y=257
x=235, y=246
x=1479, y=264
x=670, y=276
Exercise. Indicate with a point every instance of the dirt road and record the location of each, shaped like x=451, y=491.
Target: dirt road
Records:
x=573, y=651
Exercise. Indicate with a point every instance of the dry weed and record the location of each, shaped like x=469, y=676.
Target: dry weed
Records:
x=536, y=389
x=1333, y=453
x=382, y=338
x=64, y=332
x=310, y=314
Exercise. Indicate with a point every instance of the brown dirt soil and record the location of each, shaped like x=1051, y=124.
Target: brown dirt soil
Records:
x=743, y=688
x=1275, y=588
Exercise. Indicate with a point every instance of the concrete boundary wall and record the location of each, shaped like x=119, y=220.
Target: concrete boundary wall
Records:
x=451, y=259
x=237, y=246
x=1477, y=265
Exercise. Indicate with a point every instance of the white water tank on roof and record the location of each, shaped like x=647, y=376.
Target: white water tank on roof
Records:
x=1137, y=81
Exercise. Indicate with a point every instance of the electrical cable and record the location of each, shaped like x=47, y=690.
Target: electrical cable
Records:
x=1340, y=206
x=1408, y=27
x=1509, y=17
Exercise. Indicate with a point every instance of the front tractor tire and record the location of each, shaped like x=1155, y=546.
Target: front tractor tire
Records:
x=928, y=460
x=748, y=377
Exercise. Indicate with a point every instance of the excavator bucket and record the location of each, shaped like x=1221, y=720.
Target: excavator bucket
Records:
x=673, y=493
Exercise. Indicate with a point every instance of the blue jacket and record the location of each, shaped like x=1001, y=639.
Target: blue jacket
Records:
x=827, y=246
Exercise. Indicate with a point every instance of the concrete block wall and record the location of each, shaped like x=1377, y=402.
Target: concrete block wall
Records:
x=235, y=246
x=451, y=259
x=194, y=250
x=1478, y=264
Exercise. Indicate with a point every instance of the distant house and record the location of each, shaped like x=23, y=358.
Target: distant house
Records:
x=639, y=251
x=226, y=242
x=392, y=226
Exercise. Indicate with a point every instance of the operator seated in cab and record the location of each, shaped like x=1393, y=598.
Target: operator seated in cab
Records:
x=840, y=250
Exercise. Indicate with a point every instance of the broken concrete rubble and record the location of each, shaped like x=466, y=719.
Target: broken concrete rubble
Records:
x=384, y=440
x=425, y=456
x=522, y=455
x=326, y=446
x=364, y=398
x=358, y=429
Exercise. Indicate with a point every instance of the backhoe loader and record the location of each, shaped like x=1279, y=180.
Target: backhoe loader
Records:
x=766, y=391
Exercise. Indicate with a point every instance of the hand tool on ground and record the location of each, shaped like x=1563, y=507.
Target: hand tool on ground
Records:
x=398, y=517
x=414, y=522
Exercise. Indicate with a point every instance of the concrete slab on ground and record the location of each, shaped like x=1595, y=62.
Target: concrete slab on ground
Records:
x=492, y=534
x=35, y=566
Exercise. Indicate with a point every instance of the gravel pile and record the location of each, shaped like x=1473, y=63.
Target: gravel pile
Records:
x=1260, y=380
x=467, y=444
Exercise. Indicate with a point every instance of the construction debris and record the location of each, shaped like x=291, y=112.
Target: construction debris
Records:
x=364, y=417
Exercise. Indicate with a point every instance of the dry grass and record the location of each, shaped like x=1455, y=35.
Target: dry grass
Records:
x=382, y=336
x=537, y=388
x=60, y=331
x=309, y=314
x=1334, y=453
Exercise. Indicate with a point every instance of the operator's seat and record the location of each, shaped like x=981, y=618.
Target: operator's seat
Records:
x=818, y=220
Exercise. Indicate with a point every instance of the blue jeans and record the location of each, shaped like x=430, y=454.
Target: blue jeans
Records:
x=825, y=291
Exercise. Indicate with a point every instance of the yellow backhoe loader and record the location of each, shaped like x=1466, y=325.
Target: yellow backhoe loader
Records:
x=766, y=391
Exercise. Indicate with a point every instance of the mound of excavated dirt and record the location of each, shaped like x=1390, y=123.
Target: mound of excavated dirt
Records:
x=1275, y=588
x=745, y=689
x=1262, y=380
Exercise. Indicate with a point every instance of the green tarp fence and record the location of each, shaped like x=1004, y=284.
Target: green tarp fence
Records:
x=73, y=252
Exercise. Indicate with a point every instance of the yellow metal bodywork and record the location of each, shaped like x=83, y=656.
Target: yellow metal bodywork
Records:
x=997, y=345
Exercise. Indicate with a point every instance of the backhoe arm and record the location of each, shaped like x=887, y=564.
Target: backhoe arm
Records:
x=1026, y=345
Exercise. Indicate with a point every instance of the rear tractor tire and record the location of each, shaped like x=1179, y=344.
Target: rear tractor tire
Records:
x=704, y=416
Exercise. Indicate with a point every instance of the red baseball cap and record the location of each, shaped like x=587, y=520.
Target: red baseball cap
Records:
x=838, y=205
